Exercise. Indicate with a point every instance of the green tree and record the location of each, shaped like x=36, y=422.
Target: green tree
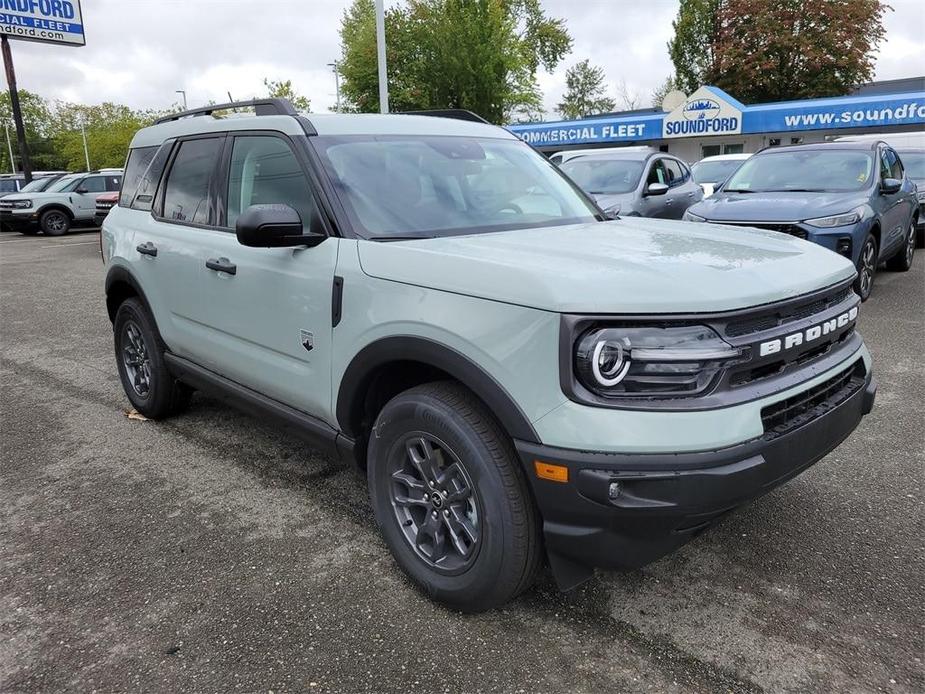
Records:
x=284, y=90
x=795, y=49
x=481, y=55
x=109, y=129
x=691, y=48
x=36, y=116
x=585, y=93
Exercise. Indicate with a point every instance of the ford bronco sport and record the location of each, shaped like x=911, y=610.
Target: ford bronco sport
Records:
x=519, y=376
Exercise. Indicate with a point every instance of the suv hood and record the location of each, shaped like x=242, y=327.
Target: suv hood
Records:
x=633, y=265
x=776, y=207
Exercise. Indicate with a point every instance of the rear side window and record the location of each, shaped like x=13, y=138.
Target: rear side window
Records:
x=676, y=172
x=186, y=195
x=135, y=167
x=92, y=184
x=143, y=198
x=263, y=171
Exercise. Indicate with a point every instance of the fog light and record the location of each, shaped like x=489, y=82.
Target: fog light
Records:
x=844, y=246
x=614, y=490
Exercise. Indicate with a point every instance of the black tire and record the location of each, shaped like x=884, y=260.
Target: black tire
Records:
x=55, y=223
x=148, y=384
x=867, y=268
x=504, y=555
x=902, y=261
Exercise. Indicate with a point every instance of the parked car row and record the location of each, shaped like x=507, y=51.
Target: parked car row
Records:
x=55, y=204
x=856, y=196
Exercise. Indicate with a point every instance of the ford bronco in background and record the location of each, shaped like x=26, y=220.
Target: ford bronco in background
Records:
x=521, y=378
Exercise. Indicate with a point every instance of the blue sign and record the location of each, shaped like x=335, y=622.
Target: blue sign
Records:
x=710, y=111
x=603, y=130
x=45, y=21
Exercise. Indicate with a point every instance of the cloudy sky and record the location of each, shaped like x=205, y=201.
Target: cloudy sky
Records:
x=139, y=52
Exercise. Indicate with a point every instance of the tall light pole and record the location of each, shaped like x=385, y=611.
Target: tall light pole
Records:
x=380, y=46
x=183, y=92
x=83, y=132
x=334, y=66
x=9, y=146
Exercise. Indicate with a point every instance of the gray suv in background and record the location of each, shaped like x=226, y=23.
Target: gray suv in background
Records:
x=636, y=183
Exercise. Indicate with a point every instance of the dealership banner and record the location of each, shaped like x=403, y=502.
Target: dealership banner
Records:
x=712, y=112
x=45, y=21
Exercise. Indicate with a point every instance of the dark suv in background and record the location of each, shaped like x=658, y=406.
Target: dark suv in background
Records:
x=636, y=182
x=851, y=197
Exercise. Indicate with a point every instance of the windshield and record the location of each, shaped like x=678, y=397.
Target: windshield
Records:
x=65, y=184
x=714, y=171
x=604, y=176
x=399, y=186
x=37, y=185
x=815, y=171
x=914, y=161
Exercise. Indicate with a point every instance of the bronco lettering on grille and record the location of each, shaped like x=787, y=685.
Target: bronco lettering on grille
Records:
x=808, y=335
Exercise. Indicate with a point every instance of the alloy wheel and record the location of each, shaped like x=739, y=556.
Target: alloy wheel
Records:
x=910, y=243
x=56, y=221
x=135, y=358
x=435, y=502
x=868, y=266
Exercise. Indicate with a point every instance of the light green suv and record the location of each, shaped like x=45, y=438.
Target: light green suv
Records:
x=520, y=377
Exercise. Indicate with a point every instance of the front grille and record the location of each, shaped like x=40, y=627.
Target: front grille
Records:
x=796, y=411
x=4, y=205
x=787, y=314
x=781, y=227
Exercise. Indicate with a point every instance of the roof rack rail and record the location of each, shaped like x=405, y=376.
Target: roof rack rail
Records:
x=262, y=107
x=457, y=113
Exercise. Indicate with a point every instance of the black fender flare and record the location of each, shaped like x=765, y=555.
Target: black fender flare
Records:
x=120, y=275
x=420, y=349
x=55, y=206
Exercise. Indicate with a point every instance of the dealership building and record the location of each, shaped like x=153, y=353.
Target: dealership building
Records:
x=710, y=122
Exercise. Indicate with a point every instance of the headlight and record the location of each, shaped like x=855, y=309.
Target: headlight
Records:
x=633, y=362
x=22, y=204
x=838, y=220
x=691, y=217
x=921, y=195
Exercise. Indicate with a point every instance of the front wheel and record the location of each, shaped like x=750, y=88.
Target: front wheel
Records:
x=450, y=498
x=902, y=261
x=55, y=223
x=867, y=268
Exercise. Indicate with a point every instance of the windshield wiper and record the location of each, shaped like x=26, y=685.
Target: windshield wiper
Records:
x=797, y=190
x=397, y=237
x=739, y=190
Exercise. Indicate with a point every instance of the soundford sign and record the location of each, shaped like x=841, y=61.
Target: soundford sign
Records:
x=45, y=21
x=708, y=111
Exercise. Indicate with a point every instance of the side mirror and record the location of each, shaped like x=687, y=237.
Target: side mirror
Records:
x=890, y=185
x=81, y=190
x=273, y=226
x=656, y=189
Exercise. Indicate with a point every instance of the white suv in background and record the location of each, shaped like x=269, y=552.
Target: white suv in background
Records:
x=70, y=200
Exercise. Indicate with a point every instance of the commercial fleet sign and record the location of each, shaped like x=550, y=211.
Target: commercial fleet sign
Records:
x=708, y=111
x=46, y=21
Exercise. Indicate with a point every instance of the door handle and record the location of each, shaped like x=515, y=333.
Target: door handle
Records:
x=690, y=195
x=147, y=248
x=222, y=265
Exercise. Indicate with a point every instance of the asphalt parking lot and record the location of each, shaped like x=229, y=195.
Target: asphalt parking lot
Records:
x=214, y=553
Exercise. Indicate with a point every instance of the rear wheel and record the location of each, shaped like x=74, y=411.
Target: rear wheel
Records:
x=54, y=223
x=450, y=498
x=902, y=261
x=140, y=357
x=867, y=268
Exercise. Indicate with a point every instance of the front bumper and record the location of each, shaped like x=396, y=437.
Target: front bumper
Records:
x=664, y=500
x=18, y=220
